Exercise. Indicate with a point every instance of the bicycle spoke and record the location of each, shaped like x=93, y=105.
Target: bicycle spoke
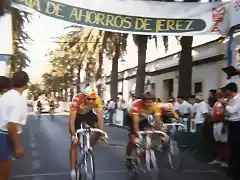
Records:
x=89, y=166
x=174, y=155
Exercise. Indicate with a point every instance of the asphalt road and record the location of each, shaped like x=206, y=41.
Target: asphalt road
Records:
x=46, y=144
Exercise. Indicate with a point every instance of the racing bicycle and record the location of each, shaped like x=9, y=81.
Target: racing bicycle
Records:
x=171, y=147
x=144, y=158
x=85, y=167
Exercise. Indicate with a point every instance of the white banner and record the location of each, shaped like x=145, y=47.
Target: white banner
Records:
x=6, y=44
x=234, y=13
x=135, y=16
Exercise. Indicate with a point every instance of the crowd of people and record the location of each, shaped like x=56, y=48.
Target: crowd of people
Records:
x=216, y=139
x=218, y=120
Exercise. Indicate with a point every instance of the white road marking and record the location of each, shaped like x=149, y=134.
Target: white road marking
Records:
x=35, y=164
x=34, y=154
x=57, y=174
x=33, y=144
x=201, y=171
x=109, y=171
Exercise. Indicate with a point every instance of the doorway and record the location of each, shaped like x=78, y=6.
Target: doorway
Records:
x=167, y=89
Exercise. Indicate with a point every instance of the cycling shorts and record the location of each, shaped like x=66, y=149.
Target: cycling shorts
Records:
x=6, y=146
x=90, y=118
x=142, y=125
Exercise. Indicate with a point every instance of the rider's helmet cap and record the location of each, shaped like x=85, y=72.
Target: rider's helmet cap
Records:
x=90, y=92
x=147, y=96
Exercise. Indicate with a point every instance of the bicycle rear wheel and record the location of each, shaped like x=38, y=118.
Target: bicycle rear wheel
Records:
x=88, y=167
x=174, y=157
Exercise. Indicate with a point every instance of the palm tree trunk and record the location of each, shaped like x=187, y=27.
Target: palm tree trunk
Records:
x=72, y=82
x=114, y=73
x=99, y=70
x=185, y=67
x=78, y=78
x=140, y=77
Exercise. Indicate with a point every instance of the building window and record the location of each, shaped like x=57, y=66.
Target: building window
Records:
x=198, y=87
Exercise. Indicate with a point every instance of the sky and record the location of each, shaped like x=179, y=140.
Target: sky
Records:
x=42, y=29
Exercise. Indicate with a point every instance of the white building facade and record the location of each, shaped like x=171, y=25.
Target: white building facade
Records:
x=162, y=74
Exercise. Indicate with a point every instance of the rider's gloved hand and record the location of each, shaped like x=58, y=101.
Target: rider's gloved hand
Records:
x=136, y=140
x=104, y=139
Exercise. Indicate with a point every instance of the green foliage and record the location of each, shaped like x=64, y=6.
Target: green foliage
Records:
x=34, y=91
x=19, y=60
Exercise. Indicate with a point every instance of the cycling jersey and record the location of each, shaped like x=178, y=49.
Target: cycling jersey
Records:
x=137, y=108
x=167, y=107
x=79, y=104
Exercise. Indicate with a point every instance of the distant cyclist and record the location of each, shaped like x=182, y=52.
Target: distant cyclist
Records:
x=137, y=120
x=167, y=112
x=82, y=111
x=52, y=106
x=39, y=106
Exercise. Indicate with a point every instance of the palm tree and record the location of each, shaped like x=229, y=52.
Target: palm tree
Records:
x=185, y=63
x=91, y=45
x=4, y=5
x=19, y=60
x=141, y=42
x=34, y=91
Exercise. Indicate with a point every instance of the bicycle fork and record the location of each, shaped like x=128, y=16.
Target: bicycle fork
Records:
x=150, y=156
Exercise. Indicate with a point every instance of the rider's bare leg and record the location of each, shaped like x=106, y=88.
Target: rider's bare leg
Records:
x=130, y=145
x=73, y=155
x=94, y=137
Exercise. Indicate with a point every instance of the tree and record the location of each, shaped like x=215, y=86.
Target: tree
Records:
x=185, y=62
x=141, y=41
x=89, y=46
x=4, y=5
x=34, y=91
x=19, y=60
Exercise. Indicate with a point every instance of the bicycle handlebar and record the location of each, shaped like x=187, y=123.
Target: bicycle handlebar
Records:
x=173, y=124
x=166, y=137
x=82, y=130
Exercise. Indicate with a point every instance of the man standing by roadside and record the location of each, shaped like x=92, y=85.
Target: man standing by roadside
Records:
x=233, y=110
x=13, y=116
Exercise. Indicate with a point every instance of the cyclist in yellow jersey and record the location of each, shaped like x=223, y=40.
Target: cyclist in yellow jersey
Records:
x=82, y=111
x=137, y=120
x=167, y=112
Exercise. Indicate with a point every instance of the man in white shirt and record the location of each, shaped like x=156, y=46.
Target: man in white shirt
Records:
x=233, y=110
x=13, y=116
x=111, y=110
x=185, y=107
x=202, y=116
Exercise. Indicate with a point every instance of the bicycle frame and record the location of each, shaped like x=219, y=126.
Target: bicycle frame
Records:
x=149, y=150
x=85, y=147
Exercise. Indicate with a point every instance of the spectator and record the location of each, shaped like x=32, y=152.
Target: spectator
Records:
x=202, y=116
x=13, y=117
x=233, y=109
x=185, y=108
x=219, y=131
x=111, y=110
x=193, y=101
x=5, y=84
x=176, y=105
x=209, y=142
x=158, y=100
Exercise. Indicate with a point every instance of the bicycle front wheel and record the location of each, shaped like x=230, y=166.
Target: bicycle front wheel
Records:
x=88, y=171
x=174, y=157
